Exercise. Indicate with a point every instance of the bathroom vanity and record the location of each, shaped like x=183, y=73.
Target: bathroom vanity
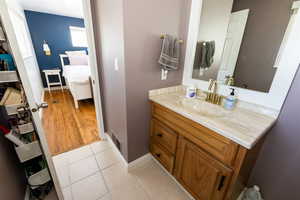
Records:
x=209, y=150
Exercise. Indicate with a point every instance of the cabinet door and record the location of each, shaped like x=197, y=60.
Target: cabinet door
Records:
x=203, y=176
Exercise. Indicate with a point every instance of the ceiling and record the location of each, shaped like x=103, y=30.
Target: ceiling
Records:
x=71, y=8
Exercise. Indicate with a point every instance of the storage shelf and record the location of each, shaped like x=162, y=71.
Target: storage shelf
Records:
x=13, y=109
x=28, y=151
x=8, y=77
x=26, y=128
x=39, y=178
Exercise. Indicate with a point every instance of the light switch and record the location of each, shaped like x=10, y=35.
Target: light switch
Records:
x=116, y=64
x=164, y=74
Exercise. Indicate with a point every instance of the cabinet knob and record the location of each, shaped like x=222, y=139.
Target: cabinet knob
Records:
x=158, y=155
x=221, y=184
x=159, y=134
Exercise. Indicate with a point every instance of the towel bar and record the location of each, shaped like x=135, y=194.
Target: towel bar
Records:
x=162, y=36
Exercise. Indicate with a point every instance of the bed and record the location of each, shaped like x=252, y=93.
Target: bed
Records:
x=78, y=80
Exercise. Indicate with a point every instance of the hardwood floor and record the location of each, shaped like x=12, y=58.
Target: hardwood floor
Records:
x=68, y=128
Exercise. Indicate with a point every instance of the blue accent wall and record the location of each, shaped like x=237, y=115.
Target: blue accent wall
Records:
x=55, y=30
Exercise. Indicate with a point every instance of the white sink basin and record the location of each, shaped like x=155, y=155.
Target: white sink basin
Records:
x=202, y=107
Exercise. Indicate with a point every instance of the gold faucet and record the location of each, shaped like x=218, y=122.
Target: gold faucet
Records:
x=229, y=80
x=212, y=95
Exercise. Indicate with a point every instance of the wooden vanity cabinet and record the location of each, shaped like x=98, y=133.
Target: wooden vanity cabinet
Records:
x=208, y=165
x=200, y=174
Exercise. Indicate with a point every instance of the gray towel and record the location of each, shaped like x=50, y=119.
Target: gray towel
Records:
x=170, y=53
x=210, y=46
x=204, y=55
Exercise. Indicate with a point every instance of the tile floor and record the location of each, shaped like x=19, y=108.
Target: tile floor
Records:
x=96, y=172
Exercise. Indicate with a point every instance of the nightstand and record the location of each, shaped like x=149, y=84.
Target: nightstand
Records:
x=53, y=72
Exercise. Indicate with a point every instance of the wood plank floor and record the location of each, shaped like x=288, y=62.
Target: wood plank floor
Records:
x=68, y=128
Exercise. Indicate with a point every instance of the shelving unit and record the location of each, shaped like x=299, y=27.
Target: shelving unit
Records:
x=26, y=128
x=28, y=151
x=13, y=109
x=39, y=178
x=20, y=130
x=8, y=77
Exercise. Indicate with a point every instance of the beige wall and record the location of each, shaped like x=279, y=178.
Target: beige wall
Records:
x=109, y=36
x=145, y=21
x=130, y=30
x=264, y=33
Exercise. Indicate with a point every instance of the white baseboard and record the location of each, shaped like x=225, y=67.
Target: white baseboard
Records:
x=138, y=162
x=56, y=88
x=173, y=178
x=108, y=138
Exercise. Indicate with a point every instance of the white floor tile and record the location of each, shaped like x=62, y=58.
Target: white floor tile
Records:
x=90, y=188
x=60, y=160
x=100, y=146
x=129, y=192
x=63, y=174
x=83, y=168
x=158, y=184
x=81, y=179
x=106, y=197
x=80, y=153
x=117, y=175
x=67, y=193
x=107, y=158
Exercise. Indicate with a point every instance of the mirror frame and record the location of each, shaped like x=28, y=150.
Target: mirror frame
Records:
x=283, y=78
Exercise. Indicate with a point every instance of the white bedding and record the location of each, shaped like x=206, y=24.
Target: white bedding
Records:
x=77, y=73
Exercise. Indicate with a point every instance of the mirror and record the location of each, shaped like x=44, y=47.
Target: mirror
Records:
x=239, y=41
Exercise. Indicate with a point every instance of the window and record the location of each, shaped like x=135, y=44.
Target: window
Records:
x=78, y=36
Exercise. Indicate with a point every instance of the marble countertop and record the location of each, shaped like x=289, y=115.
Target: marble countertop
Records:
x=243, y=126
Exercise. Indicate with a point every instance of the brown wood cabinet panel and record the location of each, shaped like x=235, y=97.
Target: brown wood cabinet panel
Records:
x=203, y=176
x=163, y=156
x=220, y=147
x=164, y=136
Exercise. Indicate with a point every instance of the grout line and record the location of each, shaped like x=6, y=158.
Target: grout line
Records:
x=72, y=195
x=106, y=186
x=99, y=170
x=82, y=180
x=71, y=163
x=143, y=188
x=110, y=165
x=68, y=164
x=93, y=154
x=101, y=151
x=69, y=174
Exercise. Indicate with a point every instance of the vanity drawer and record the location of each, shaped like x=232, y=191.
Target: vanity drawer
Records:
x=163, y=156
x=164, y=135
x=221, y=148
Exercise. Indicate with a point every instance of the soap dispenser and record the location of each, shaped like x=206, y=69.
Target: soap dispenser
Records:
x=230, y=101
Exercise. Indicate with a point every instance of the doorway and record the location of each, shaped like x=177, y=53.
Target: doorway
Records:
x=66, y=127
x=74, y=107
x=61, y=47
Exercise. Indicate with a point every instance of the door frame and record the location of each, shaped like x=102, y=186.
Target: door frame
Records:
x=88, y=21
x=95, y=81
x=19, y=60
